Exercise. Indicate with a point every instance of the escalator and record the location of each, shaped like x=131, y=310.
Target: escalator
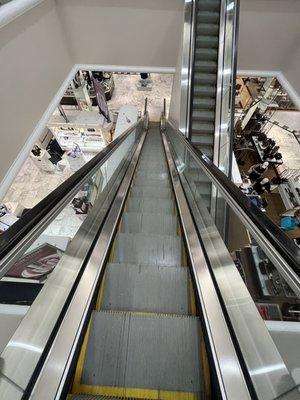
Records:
x=144, y=338
x=147, y=301
x=205, y=75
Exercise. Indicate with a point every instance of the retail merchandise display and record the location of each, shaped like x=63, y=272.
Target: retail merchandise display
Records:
x=84, y=80
x=266, y=148
x=87, y=129
x=274, y=298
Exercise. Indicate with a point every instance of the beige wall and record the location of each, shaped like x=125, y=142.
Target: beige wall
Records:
x=122, y=32
x=34, y=61
x=269, y=37
x=38, y=49
x=174, y=112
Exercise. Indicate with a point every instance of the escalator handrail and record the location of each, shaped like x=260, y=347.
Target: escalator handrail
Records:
x=21, y=228
x=242, y=204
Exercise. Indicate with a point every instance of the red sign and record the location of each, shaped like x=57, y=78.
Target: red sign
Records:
x=37, y=263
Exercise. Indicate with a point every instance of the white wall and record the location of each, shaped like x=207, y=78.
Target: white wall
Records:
x=39, y=48
x=122, y=32
x=269, y=37
x=174, y=112
x=34, y=61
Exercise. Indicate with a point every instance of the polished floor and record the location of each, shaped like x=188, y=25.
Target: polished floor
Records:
x=31, y=185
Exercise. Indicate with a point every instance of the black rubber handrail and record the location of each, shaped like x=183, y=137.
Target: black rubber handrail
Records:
x=287, y=249
x=10, y=238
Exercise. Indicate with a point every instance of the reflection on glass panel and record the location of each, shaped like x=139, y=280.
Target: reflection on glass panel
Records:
x=227, y=87
x=268, y=326
x=55, y=258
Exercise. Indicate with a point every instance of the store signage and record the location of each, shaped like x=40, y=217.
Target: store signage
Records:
x=37, y=263
x=101, y=99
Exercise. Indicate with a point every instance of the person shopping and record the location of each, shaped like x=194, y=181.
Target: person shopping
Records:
x=262, y=185
x=257, y=171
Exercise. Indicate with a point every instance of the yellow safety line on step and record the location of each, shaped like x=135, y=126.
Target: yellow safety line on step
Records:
x=101, y=292
x=137, y=393
x=112, y=252
x=206, y=372
x=80, y=362
x=183, y=255
x=192, y=297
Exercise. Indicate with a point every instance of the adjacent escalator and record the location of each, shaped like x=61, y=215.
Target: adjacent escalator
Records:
x=144, y=338
x=205, y=75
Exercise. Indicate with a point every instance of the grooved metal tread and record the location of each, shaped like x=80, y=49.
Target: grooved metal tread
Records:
x=206, y=54
x=150, y=192
x=146, y=288
x=205, y=90
x=205, y=78
x=138, y=248
x=151, y=166
x=151, y=175
x=202, y=127
x=203, y=115
x=135, y=351
x=209, y=5
x=144, y=205
x=207, y=41
x=208, y=16
x=204, y=103
x=151, y=182
x=151, y=223
x=207, y=28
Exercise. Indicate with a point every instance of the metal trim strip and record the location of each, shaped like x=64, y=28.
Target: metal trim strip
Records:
x=20, y=236
x=278, y=247
x=50, y=382
x=231, y=380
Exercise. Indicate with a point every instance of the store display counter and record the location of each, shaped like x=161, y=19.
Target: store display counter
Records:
x=260, y=152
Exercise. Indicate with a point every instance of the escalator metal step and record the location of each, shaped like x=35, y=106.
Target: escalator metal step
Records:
x=203, y=139
x=151, y=166
x=151, y=223
x=150, y=192
x=209, y=17
x=130, y=353
x=206, y=54
x=205, y=91
x=213, y=5
x=203, y=115
x=211, y=42
x=206, y=66
x=202, y=127
x=207, y=29
x=204, y=103
x=146, y=288
x=139, y=248
x=205, y=78
x=148, y=175
x=151, y=182
x=149, y=205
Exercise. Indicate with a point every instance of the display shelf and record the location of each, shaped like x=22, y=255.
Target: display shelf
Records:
x=85, y=128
